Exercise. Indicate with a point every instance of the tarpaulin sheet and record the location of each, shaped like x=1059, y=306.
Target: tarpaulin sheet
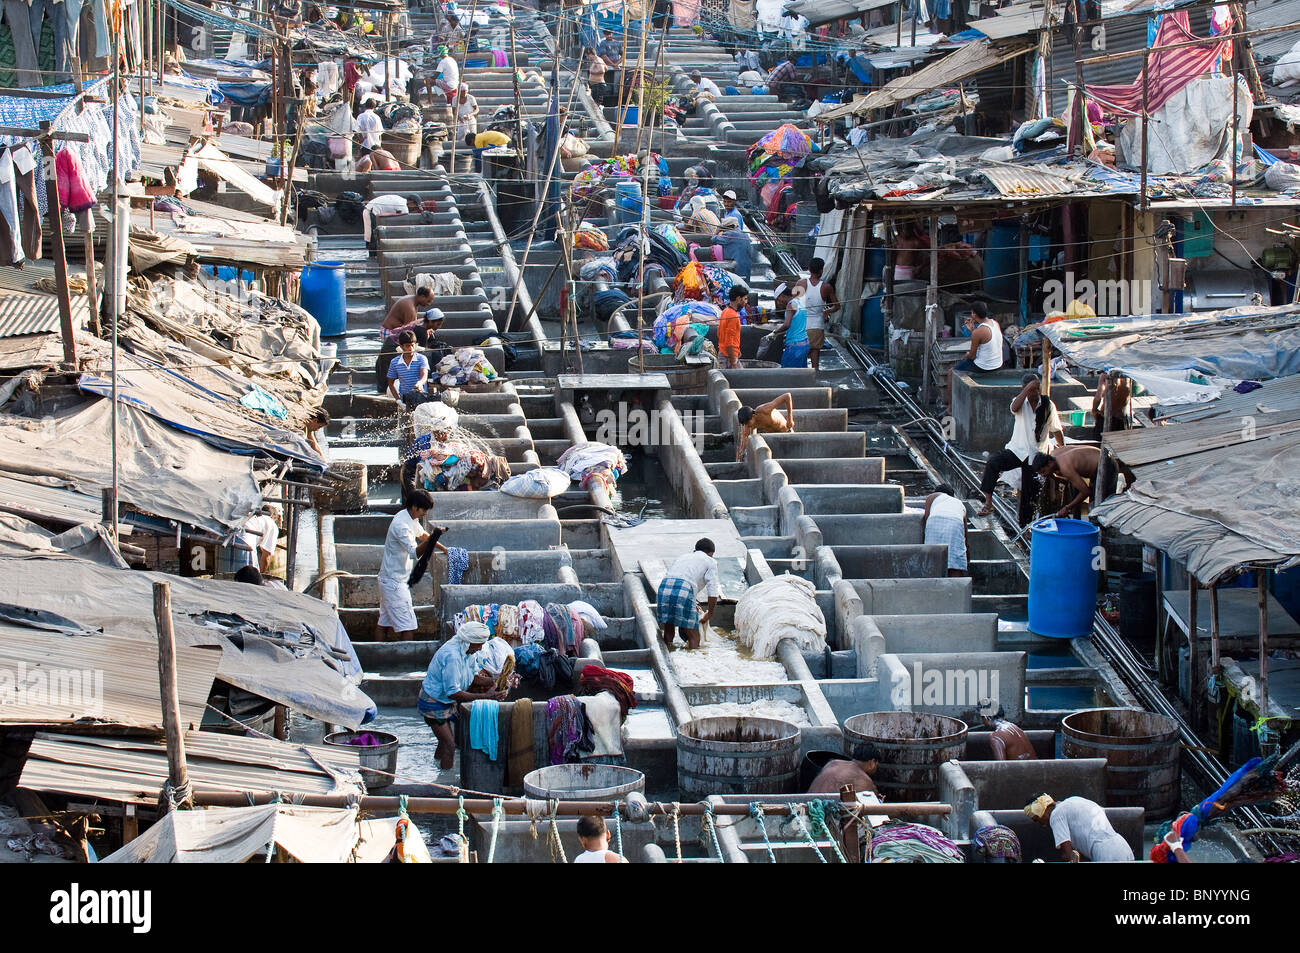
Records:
x=300, y=656
x=1238, y=343
x=160, y=470
x=1217, y=510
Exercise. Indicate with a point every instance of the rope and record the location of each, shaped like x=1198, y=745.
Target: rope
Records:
x=618, y=829
x=461, y=815
x=803, y=829
x=713, y=832
x=677, y=829
x=756, y=811
x=817, y=811
x=555, y=832
x=497, y=813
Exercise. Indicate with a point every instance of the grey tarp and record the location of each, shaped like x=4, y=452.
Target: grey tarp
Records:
x=1217, y=509
x=160, y=470
x=1239, y=343
x=20, y=537
x=300, y=656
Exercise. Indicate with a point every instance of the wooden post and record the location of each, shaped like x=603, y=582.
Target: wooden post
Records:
x=281, y=729
x=1146, y=121
x=1046, y=386
x=177, y=775
x=55, y=212
x=931, y=305
x=1215, y=667
x=130, y=825
x=92, y=292
x=1261, y=591
x=1232, y=58
x=1194, y=651
x=849, y=825
x=1080, y=101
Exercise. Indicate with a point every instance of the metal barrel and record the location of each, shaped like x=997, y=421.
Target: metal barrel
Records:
x=378, y=762
x=683, y=378
x=737, y=756
x=1141, y=751
x=583, y=782
x=912, y=745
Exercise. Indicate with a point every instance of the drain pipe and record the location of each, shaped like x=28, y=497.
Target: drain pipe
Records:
x=684, y=463
x=513, y=274
x=574, y=433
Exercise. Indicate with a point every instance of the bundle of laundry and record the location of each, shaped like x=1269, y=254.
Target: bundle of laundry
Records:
x=593, y=680
x=442, y=283
x=468, y=365
x=451, y=465
x=783, y=607
x=557, y=626
x=586, y=462
x=540, y=483
x=545, y=667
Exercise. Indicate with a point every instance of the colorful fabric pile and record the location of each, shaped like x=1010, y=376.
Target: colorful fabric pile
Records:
x=597, y=178
x=468, y=365
x=913, y=844
x=587, y=462
x=997, y=844
x=772, y=161
x=452, y=465
x=590, y=237
x=557, y=626
x=593, y=680
x=568, y=733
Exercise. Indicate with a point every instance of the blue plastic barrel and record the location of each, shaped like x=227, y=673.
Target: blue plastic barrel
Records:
x=324, y=296
x=873, y=321
x=1063, y=565
x=627, y=202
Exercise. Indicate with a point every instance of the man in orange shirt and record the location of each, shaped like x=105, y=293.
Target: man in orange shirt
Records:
x=729, y=327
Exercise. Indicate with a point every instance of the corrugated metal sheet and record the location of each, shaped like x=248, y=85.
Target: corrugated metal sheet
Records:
x=1260, y=16
x=1010, y=22
x=109, y=679
x=132, y=771
x=1022, y=182
x=36, y=313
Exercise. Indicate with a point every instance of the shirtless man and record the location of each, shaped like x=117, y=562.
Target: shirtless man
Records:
x=380, y=160
x=765, y=418
x=406, y=308
x=909, y=261
x=1120, y=391
x=1008, y=741
x=855, y=773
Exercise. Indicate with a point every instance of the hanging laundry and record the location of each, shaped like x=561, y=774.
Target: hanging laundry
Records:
x=74, y=192
x=457, y=563
x=483, y=726
x=11, y=249
x=29, y=209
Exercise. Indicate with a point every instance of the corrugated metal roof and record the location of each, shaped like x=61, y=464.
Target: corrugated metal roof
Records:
x=1012, y=181
x=132, y=771
x=1012, y=21
x=1261, y=16
x=36, y=313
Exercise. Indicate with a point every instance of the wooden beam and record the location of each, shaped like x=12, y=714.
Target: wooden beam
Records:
x=178, y=775
x=55, y=213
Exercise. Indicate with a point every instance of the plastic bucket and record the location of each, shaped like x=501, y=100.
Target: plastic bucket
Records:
x=378, y=762
x=324, y=296
x=1063, y=577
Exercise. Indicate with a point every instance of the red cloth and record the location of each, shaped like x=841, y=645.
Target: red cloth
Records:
x=595, y=680
x=351, y=73
x=1171, y=70
x=74, y=191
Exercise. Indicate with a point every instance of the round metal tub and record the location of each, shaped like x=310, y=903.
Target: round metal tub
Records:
x=912, y=745
x=378, y=762
x=737, y=756
x=583, y=782
x=1141, y=751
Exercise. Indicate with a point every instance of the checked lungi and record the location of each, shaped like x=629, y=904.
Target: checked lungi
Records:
x=676, y=604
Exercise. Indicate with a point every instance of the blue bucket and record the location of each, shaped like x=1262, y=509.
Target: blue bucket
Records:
x=1064, y=559
x=324, y=296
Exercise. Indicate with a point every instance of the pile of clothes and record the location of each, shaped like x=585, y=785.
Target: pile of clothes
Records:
x=439, y=465
x=468, y=365
x=681, y=329
x=600, y=462
x=556, y=626
x=595, y=179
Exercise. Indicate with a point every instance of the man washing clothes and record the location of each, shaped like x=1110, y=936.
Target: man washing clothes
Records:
x=675, y=605
x=406, y=541
x=776, y=416
x=454, y=676
x=1008, y=740
x=1036, y=423
x=855, y=772
x=1080, y=830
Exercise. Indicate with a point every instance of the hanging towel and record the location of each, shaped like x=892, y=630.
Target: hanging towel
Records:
x=605, y=715
x=457, y=564
x=567, y=730
x=30, y=210
x=11, y=248
x=519, y=757
x=483, y=716
x=74, y=192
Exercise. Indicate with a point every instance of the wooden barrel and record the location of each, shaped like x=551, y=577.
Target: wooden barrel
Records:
x=405, y=147
x=1141, y=751
x=682, y=378
x=912, y=745
x=737, y=756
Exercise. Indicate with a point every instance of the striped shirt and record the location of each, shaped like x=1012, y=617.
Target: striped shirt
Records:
x=407, y=375
x=783, y=72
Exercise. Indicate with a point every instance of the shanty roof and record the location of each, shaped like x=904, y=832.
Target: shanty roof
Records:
x=1216, y=495
x=1235, y=344
x=233, y=835
x=824, y=11
x=67, y=674
x=966, y=60
x=281, y=645
x=132, y=771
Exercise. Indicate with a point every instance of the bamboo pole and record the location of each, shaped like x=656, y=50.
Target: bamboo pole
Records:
x=1146, y=122
x=460, y=78
x=177, y=773
x=1194, y=650
x=622, y=85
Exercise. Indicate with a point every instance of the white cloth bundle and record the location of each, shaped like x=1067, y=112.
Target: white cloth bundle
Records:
x=784, y=607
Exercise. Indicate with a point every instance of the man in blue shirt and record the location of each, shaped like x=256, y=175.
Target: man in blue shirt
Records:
x=408, y=374
x=451, y=679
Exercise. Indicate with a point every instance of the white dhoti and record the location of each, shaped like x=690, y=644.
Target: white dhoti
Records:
x=396, y=609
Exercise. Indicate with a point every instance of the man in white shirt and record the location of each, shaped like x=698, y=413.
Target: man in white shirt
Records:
x=448, y=76
x=261, y=534
x=369, y=125
x=1036, y=422
x=1080, y=830
x=382, y=206
x=704, y=86
x=675, y=604
x=748, y=60
x=406, y=541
